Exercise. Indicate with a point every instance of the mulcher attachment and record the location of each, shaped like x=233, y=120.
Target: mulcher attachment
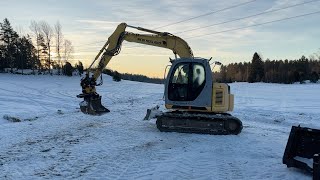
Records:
x=203, y=123
x=303, y=143
x=92, y=105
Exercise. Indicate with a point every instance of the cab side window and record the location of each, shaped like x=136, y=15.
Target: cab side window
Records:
x=187, y=81
x=178, y=86
x=198, y=80
x=181, y=74
x=198, y=76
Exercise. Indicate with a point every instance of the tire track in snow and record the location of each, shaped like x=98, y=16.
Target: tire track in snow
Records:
x=52, y=149
x=137, y=162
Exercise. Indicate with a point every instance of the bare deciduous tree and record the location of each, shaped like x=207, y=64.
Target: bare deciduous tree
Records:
x=68, y=50
x=48, y=34
x=59, y=42
x=35, y=28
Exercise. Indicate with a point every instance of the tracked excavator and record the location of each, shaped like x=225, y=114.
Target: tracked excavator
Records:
x=194, y=102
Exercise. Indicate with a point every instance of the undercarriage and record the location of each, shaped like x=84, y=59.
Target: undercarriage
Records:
x=198, y=122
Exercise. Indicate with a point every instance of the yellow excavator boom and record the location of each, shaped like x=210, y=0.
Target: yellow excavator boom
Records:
x=159, y=39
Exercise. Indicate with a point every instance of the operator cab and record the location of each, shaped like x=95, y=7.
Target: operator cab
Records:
x=189, y=80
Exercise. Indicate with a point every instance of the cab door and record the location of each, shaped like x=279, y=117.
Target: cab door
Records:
x=186, y=82
x=179, y=83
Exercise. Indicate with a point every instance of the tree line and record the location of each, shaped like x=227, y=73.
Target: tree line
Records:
x=132, y=77
x=271, y=71
x=35, y=51
x=268, y=71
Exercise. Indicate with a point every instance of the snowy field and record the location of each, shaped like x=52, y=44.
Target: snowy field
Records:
x=55, y=140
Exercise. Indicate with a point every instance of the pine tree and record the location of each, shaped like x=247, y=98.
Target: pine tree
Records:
x=116, y=76
x=9, y=38
x=44, y=63
x=223, y=71
x=80, y=68
x=67, y=69
x=314, y=77
x=27, y=56
x=2, y=60
x=256, y=73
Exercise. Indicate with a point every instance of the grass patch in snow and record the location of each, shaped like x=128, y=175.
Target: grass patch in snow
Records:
x=17, y=119
x=11, y=118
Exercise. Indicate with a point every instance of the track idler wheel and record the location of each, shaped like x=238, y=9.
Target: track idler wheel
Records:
x=233, y=125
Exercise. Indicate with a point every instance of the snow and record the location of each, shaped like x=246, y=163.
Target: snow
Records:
x=55, y=140
x=309, y=162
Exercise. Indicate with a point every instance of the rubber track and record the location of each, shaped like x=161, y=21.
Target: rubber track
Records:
x=217, y=124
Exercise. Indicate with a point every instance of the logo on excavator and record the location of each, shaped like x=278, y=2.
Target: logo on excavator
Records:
x=151, y=41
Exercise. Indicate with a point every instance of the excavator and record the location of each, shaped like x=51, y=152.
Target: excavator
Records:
x=194, y=102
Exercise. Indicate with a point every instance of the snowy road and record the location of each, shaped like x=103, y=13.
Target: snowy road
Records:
x=119, y=145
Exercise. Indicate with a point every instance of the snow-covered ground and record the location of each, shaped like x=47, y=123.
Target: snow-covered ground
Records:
x=55, y=140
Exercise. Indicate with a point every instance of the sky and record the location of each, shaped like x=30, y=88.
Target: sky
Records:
x=88, y=24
